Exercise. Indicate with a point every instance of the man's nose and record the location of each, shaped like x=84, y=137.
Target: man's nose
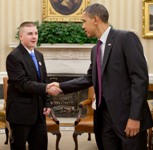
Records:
x=34, y=35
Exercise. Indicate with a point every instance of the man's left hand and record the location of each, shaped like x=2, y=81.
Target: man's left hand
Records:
x=46, y=111
x=132, y=127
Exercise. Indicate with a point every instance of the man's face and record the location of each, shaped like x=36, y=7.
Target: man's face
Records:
x=29, y=37
x=88, y=25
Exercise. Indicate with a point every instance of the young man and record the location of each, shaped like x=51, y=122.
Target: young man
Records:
x=120, y=78
x=27, y=101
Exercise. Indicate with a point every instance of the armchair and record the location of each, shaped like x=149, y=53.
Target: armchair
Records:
x=53, y=127
x=2, y=111
x=84, y=124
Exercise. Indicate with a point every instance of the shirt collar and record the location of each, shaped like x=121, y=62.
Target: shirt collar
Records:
x=104, y=36
x=29, y=51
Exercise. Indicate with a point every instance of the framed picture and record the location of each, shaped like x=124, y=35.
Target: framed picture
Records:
x=63, y=10
x=148, y=18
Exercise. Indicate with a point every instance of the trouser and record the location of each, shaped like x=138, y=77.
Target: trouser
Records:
x=35, y=136
x=109, y=138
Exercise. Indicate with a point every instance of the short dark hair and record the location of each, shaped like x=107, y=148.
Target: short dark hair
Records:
x=99, y=10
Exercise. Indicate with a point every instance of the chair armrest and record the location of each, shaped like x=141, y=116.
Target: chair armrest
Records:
x=81, y=105
x=53, y=116
x=85, y=103
x=2, y=113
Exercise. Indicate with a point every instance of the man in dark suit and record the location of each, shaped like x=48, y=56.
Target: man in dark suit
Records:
x=122, y=115
x=27, y=99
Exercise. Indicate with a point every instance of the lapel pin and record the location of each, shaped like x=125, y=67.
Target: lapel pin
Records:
x=109, y=44
x=40, y=63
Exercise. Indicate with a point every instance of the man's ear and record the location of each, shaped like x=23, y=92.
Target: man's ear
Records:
x=20, y=37
x=96, y=19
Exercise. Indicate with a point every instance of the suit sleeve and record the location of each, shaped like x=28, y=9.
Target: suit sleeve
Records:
x=138, y=73
x=78, y=83
x=75, y=85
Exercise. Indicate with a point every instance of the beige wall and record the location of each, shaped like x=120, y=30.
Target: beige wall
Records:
x=124, y=14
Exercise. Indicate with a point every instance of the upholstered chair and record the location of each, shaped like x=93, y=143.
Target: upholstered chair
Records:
x=84, y=124
x=3, y=122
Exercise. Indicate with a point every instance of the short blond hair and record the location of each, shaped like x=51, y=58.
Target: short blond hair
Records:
x=26, y=24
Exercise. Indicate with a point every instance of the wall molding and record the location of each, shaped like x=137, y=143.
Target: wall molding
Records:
x=59, y=46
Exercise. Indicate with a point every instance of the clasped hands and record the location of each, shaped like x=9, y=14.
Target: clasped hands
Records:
x=53, y=89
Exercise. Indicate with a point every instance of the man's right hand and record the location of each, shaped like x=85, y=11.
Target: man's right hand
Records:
x=53, y=89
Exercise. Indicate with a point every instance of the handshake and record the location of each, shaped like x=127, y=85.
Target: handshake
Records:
x=53, y=89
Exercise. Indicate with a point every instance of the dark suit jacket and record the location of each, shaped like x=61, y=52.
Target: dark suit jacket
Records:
x=26, y=95
x=124, y=79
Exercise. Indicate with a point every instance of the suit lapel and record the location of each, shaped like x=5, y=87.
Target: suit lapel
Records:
x=27, y=56
x=29, y=59
x=108, y=48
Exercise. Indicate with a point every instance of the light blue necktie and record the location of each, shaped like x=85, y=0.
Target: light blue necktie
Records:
x=35, y=62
